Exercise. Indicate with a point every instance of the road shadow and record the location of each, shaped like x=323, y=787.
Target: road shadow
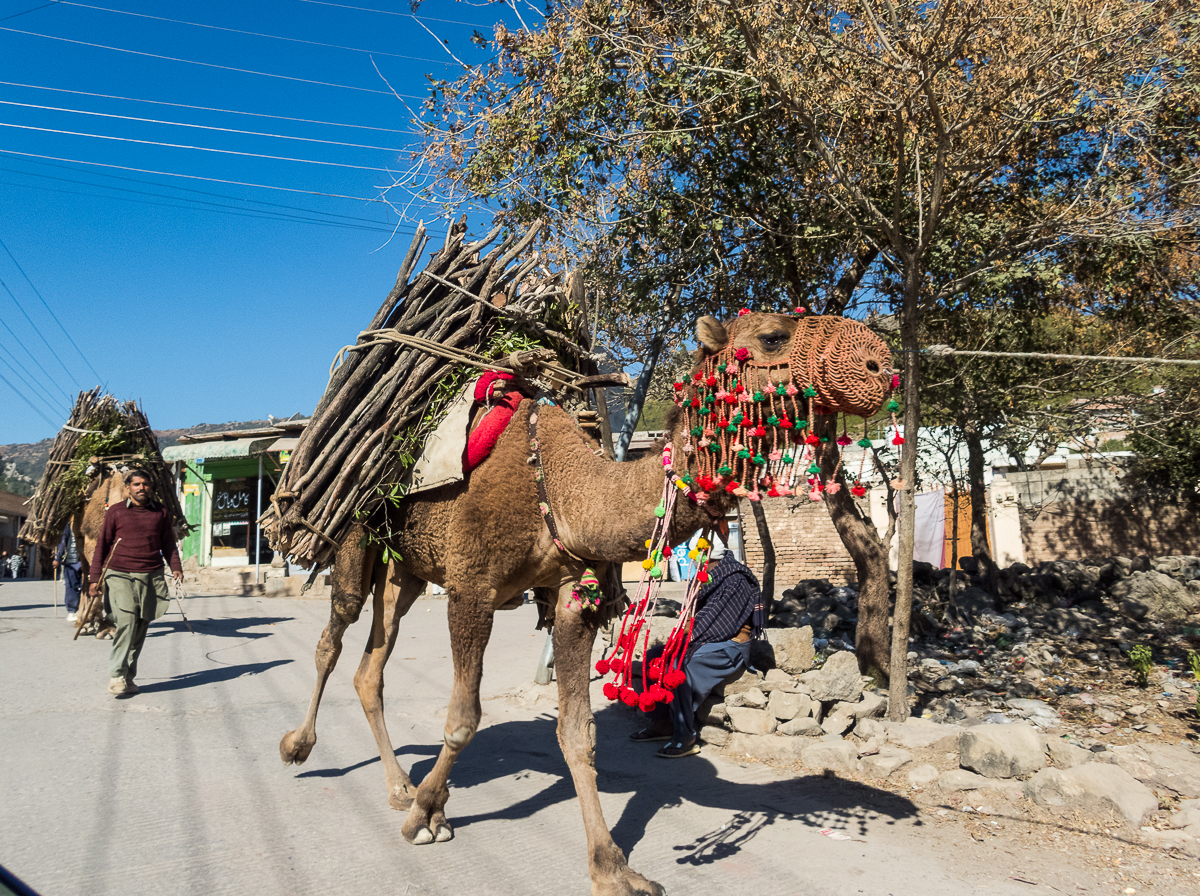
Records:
x=45, y=606
x=209, y=676
x=430, y=750
x=232, y=627
x=518, y=747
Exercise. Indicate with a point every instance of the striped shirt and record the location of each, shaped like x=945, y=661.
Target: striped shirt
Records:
x=729, y=599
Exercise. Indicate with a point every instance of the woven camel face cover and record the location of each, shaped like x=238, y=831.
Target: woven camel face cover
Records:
x=752, y=422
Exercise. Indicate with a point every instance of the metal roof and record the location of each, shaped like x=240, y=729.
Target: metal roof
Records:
x=210, y=450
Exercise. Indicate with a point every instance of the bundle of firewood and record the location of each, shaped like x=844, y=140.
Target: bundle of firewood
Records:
x=100, y=431
x=464, y=313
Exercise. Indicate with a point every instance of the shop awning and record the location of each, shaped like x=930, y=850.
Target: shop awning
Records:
x=288, y=443
x=210, y=450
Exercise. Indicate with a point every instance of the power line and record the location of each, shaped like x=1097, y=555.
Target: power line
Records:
x=939, y=351
x=33, y=386
x=27, y=401
x=227, y=152
x=228, y=68
x=25, y=348
x=131, y=99
x=215, y=180
x=295, y=40
x=28, y=11
x=203, y=127
x=391, y=12
x=135, y=180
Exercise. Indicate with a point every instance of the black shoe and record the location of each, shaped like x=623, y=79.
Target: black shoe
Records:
x=646, y=735
x=678, y=751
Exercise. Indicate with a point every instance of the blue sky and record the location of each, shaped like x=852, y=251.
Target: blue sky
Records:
x=211, y=286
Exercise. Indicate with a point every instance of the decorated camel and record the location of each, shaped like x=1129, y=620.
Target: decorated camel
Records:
x=738, y=432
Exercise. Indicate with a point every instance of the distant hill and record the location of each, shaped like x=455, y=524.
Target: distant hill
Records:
x=21, y=466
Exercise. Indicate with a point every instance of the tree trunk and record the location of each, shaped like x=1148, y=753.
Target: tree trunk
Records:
x=768, y=548
x=898, y=709
x=634, y=411
x=870, y=555
x=979, y=543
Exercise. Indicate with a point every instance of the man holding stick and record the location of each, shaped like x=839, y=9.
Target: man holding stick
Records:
x=138, y=535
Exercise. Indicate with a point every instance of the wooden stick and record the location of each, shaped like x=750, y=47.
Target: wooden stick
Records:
x=83, y=620
x=56, y=590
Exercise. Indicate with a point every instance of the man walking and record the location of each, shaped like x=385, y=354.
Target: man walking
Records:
x=134, y=539
x=66, y=559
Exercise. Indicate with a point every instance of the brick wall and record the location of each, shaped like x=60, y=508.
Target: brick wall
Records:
x=806, y=544
x=1091, y=528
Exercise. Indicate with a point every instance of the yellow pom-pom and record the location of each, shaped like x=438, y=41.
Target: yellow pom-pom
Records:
x=702, y=544
x=681, y=485
x=647, y=564
x=647, y=542
x=692, y=555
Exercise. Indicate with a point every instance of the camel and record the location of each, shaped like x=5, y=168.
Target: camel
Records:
x=486, y=542
x=107, y=488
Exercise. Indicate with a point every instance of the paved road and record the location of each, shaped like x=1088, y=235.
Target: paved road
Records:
x=180, y=790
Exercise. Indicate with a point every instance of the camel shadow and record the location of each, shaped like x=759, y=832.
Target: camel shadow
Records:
x=232, y=627
x=209, y=676
x=623, y=767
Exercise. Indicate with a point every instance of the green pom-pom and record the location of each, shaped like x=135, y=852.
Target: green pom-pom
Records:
x=758, y=459
x=704, y=412
x=801, y=424
x=788, y=459
x=710, y=398
x=739, y=417
x=813, y=468
x=893, y=405
x=722, y=367
x=714, y=448
x=781, y=389
x=810, y=392
x=660, y=511
x=732, y=427
x=773, y=420
x=744, y=454
x=758, y=396
x=656, y=572
x=824, y=440
x=864, y=442
x=725, y=469
x=697, y=431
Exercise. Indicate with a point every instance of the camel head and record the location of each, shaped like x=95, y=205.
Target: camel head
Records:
x=751, y=405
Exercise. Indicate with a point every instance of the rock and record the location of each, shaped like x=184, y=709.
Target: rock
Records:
x=785, y=706
x=1066, y=755
x=1002, y=751
x=974, y=600
x=870, y=728
x=872, y=706
x=1185, y=818
x=837, y=723
x=1096, y=790
x=791, y=649
x=740, y=685
x=1165, y=766
x=803, y=726
x=712, y=714
x=838, y=679
x=1155, y=596
x=885, y=762
x=837, y=756
x=916, y=734
x=960, y=779
x=754, y=698
x=775, y=678
x=1172, y=840
x=751, y=721
x=1039, y=712
x=711, y=734
x=766, y=747
x=922, y=775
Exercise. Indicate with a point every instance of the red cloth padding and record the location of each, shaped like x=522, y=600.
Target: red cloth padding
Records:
x=483, y=438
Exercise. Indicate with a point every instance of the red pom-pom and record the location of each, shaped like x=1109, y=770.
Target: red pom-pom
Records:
x=732, y=486
x=773, y=493
x=785, y=423
x=747, y=422
x=810, y=439
x=616, y=665
x=666, y=550
x=711, y=381
x=897, y=439
x=646, y=703
x=678, y=387
x=695, y=402
x=602, y=666
x=702, y=576
x=654, y=670
x=858, y=491
x=697, y=376
x=629, y=696
x=674, y=678
x=667, y=696
x=742, y=354
x=611, y=691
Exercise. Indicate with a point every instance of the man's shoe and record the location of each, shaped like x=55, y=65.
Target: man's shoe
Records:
x=646, y=735
x=130, y=687
x=72, y=616
x=118, y=687
x=678, y=751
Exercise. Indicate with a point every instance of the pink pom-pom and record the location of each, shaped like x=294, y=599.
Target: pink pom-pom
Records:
x=791, y=389
x=742, y=354
x=895, y=381
x=833, y=488
x=754, y=495
x=798, y=310
x=602, y=666
x=815, y=494
x=611, y=691
x=775, y=455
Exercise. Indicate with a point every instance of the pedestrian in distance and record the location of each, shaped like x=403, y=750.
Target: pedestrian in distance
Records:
x=66, y=560
x=729, y=615
x=135, y=538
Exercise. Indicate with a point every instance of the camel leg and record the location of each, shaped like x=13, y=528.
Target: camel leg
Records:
x=393, y=599
x=351, y=584
x=470, y=616
x=574, y=633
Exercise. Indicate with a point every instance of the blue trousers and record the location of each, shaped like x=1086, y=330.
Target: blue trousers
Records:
x=708, y=666
x=71, y=574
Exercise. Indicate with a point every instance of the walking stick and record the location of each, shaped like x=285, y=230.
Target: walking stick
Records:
x=85, y=618
x=56, y=592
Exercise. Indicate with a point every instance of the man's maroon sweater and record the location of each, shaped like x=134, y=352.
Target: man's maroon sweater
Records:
x=146, y=537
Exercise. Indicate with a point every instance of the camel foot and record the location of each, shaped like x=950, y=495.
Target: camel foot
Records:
x=400, y=799
x=628, y=884
x=418, y=832
x=294, y=748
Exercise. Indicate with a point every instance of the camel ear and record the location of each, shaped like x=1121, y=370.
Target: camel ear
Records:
x=711, y=334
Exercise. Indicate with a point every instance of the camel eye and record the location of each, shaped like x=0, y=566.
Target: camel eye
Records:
x=773, y=341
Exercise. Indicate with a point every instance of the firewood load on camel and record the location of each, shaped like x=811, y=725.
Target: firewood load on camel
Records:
x=462, y=341
x=85, y=473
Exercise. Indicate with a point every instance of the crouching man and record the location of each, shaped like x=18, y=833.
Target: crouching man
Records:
x=134, y=540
